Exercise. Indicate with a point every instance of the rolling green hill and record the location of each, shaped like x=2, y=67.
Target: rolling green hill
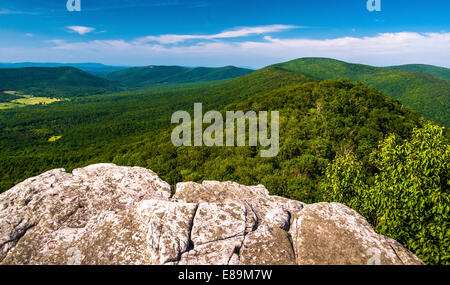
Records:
x=153, y=75
x=437, y=71
x=61, y=82
x=423, y=92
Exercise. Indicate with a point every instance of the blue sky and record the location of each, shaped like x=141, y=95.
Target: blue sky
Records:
x=251, y=33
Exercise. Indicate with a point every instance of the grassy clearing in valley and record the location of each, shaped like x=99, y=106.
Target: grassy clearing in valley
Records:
x=54, y=138
x=25, y=100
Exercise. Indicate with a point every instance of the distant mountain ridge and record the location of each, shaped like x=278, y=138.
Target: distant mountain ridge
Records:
x=437, y=71
x=93, y=68
x=425, y=88
x=423, y=92
x=54, y=82
x=154, y=75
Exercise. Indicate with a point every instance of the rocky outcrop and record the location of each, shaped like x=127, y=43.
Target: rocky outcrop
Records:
x=106, y=214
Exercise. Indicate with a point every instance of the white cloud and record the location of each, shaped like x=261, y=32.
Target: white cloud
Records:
x=246, y=31
x=16, y=12
x=380, y=50
x=82, y=30
x=6, y=12
x=10, y=12
x=235, y=33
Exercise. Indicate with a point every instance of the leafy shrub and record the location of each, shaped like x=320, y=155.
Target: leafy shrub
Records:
x=408, y=196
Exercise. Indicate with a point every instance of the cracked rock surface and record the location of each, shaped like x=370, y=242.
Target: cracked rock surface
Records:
x=106, y=214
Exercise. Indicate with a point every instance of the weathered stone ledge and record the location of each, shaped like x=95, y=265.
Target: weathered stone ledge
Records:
x=106, y=214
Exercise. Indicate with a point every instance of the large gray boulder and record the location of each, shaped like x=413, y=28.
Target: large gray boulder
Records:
x=106, y=214
x=331, y=233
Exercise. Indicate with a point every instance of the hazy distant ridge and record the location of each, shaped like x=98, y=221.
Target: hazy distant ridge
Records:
x=54, y=82
x=156, y=75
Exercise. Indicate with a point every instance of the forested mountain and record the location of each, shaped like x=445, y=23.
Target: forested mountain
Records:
x=133, y=128
x=437, y=71
x=61, y=82
x=333, y=133
x=423, y=92
x=93, y=128
x=92, y=68
x=154, y=75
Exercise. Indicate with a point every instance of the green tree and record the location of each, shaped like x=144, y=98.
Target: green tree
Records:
x=408, y=197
